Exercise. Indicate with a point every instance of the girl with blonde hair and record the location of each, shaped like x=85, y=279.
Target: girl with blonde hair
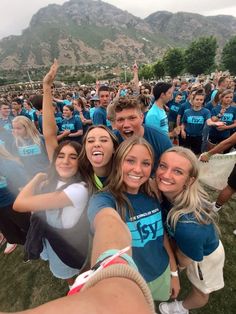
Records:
x=128, y=194
x=191, y=225
x=29, y=146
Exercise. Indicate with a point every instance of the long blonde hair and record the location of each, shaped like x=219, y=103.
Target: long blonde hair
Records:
x=31, y=131
x=116, y=185
x=193, y=199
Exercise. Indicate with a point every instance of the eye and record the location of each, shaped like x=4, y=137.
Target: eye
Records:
x=162, y=166
x=90, y=141
x=120, y=120
x=178, y=172
x=104, y=140
x=130, y=161
x=146, y=163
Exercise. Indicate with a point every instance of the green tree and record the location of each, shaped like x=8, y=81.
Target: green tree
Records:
x=146, y=72
x=158, y=69
x=229, y=55
x=200, y=55
x=174, y=61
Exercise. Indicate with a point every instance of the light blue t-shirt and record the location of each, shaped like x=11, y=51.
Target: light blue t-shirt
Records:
x=146, y=229
x=157, y=118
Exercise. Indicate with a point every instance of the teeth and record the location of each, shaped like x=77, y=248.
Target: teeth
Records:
x=134, y=177
x=97, y=153
x=166, y=182
x=127, y=132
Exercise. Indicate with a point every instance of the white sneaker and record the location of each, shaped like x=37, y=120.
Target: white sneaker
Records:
x=175, y=307
x=214, y=208
x=10, y=248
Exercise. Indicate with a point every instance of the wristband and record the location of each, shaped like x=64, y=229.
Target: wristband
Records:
x=106, y=262
x=110, y=253
x=174, y=273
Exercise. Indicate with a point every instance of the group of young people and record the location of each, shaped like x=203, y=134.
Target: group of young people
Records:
x=124, y=188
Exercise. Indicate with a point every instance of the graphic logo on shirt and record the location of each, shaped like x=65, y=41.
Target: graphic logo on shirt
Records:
x=146, y=227
x=3, y=182
x=227, y=117
x=196, y=120
x=30, y=150
x=68, y=126
x=164, y=122
x=174, y=108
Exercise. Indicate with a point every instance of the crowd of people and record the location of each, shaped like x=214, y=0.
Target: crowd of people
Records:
x=87, y=172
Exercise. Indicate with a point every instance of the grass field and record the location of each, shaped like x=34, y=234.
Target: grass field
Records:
x=27, y=285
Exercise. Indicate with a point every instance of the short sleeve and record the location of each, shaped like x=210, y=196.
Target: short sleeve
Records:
x=78, y=194
x=190, y=238
x=98, y=202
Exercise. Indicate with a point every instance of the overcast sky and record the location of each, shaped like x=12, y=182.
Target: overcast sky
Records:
x=15, y=15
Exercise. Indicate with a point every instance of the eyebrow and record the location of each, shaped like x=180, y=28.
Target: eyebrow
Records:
x=176, y=168
x=75, y=155
x=100, y=137
x=135, y=157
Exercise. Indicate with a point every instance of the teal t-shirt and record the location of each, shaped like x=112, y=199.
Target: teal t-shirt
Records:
x=146, y=229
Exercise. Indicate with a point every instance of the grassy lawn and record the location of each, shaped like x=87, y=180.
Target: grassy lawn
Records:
x=27, y=285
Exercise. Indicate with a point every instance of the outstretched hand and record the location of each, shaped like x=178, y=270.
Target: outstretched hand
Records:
x=50, y=76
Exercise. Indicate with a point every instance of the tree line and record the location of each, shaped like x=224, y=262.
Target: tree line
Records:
x=198, y=58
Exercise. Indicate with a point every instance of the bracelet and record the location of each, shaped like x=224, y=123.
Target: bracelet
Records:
x=174, y=273
x=122, y=271
x=109, y=253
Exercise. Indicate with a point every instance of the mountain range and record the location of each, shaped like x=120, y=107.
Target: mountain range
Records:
x=87, y=32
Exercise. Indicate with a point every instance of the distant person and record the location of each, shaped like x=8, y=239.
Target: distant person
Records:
x=156, y=116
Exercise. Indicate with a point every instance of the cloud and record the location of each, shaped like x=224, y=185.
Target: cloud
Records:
x=15, y=15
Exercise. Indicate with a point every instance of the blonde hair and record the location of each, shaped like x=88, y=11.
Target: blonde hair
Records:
x=193, y=199
x=116, y=185
x=31, y=131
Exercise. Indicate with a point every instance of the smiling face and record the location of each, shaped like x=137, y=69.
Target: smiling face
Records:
x=67, y=113
x=227, y=99
x=99, y=148
x=66, y=163
x=172, y=174
x=19, y=130
x=136, y=168
x=129, y=122
x=5, y=111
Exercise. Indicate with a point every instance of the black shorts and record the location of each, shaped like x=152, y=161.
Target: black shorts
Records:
x=232, y=179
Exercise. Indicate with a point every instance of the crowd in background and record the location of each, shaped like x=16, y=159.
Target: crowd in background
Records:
x=137, y=143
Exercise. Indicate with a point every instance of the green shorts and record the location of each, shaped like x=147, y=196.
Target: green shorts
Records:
x=160, y=287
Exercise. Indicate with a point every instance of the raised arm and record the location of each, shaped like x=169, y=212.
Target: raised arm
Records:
x=49, y=123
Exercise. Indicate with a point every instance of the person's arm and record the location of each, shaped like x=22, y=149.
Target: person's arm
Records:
x=28, y=201
x=136, y=78
x=183, y=260
x=226, y=127
x=110, y=232
x=114, y=295
x=182, y=131
x=175, y=284
x=229, y=142
x=49, y=123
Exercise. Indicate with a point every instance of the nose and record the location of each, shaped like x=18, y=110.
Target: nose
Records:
x=126, y=123
x=166, y=173
x=137, y=167
x=66, y=159
x=97, y=143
